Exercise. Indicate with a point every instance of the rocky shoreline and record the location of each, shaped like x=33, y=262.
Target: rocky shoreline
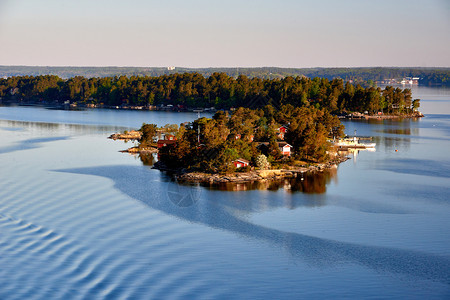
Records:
x=416, y=114
x=137, y=150
x=127, y=136
x=244, y=177
x=132, y=135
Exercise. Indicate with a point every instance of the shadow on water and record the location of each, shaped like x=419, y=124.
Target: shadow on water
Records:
x=422, y=167
x=30, y=144
x=187, y=203
x=421, y=192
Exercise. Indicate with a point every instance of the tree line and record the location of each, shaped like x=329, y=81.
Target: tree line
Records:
x=192, y=90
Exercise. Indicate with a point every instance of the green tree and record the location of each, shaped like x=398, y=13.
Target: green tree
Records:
x=415, y=104
x=148, y=133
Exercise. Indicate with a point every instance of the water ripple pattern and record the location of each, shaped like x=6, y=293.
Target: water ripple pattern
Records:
x=94, y=254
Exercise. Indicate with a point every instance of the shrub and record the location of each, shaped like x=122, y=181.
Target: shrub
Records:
x=261, y=162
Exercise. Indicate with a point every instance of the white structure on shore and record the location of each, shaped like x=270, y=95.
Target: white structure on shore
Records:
x=410, y=80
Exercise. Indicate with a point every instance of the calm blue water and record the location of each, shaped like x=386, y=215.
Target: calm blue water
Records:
x=79, y=220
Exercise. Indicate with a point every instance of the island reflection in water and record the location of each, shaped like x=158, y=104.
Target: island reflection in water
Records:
x=48, y=127
x=309, y=182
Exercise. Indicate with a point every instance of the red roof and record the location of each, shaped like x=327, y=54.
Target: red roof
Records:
x=283, y=144
x=242, y=160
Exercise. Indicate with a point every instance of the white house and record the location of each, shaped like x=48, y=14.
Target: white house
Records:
x=285, y=148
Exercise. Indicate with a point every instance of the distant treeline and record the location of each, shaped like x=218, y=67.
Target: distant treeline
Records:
x=191, y=90
x=428, y=76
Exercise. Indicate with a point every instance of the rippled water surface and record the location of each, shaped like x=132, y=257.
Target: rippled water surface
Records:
x=80, y=220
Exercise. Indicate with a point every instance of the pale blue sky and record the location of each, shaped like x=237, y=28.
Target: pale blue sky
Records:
x=201, y=33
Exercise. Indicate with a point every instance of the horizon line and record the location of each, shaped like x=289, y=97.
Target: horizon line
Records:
x=224, y=67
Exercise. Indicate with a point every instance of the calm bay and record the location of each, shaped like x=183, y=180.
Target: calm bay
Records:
x=80, y=220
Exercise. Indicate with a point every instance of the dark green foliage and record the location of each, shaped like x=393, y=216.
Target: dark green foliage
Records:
x=416, y=104
x=148, y=133
x=192, y=90
x=309, y=131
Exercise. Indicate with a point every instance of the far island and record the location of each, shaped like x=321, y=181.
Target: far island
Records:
x=219, y=91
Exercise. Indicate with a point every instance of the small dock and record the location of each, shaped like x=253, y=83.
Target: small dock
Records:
x=353, y=143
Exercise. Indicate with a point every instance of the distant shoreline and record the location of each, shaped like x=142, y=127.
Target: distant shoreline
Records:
x=380, y=75
x=355, y=116
x=112, y=107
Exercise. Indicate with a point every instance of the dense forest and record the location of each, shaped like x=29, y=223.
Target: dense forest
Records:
x=192, y=90
x=212, y=145
x=428, y=76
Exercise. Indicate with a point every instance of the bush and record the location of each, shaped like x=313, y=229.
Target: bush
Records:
x=262, y=163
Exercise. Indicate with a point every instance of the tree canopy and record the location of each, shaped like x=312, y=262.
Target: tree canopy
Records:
x=192, y=90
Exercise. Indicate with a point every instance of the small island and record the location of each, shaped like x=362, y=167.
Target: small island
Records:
x=245, y=145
